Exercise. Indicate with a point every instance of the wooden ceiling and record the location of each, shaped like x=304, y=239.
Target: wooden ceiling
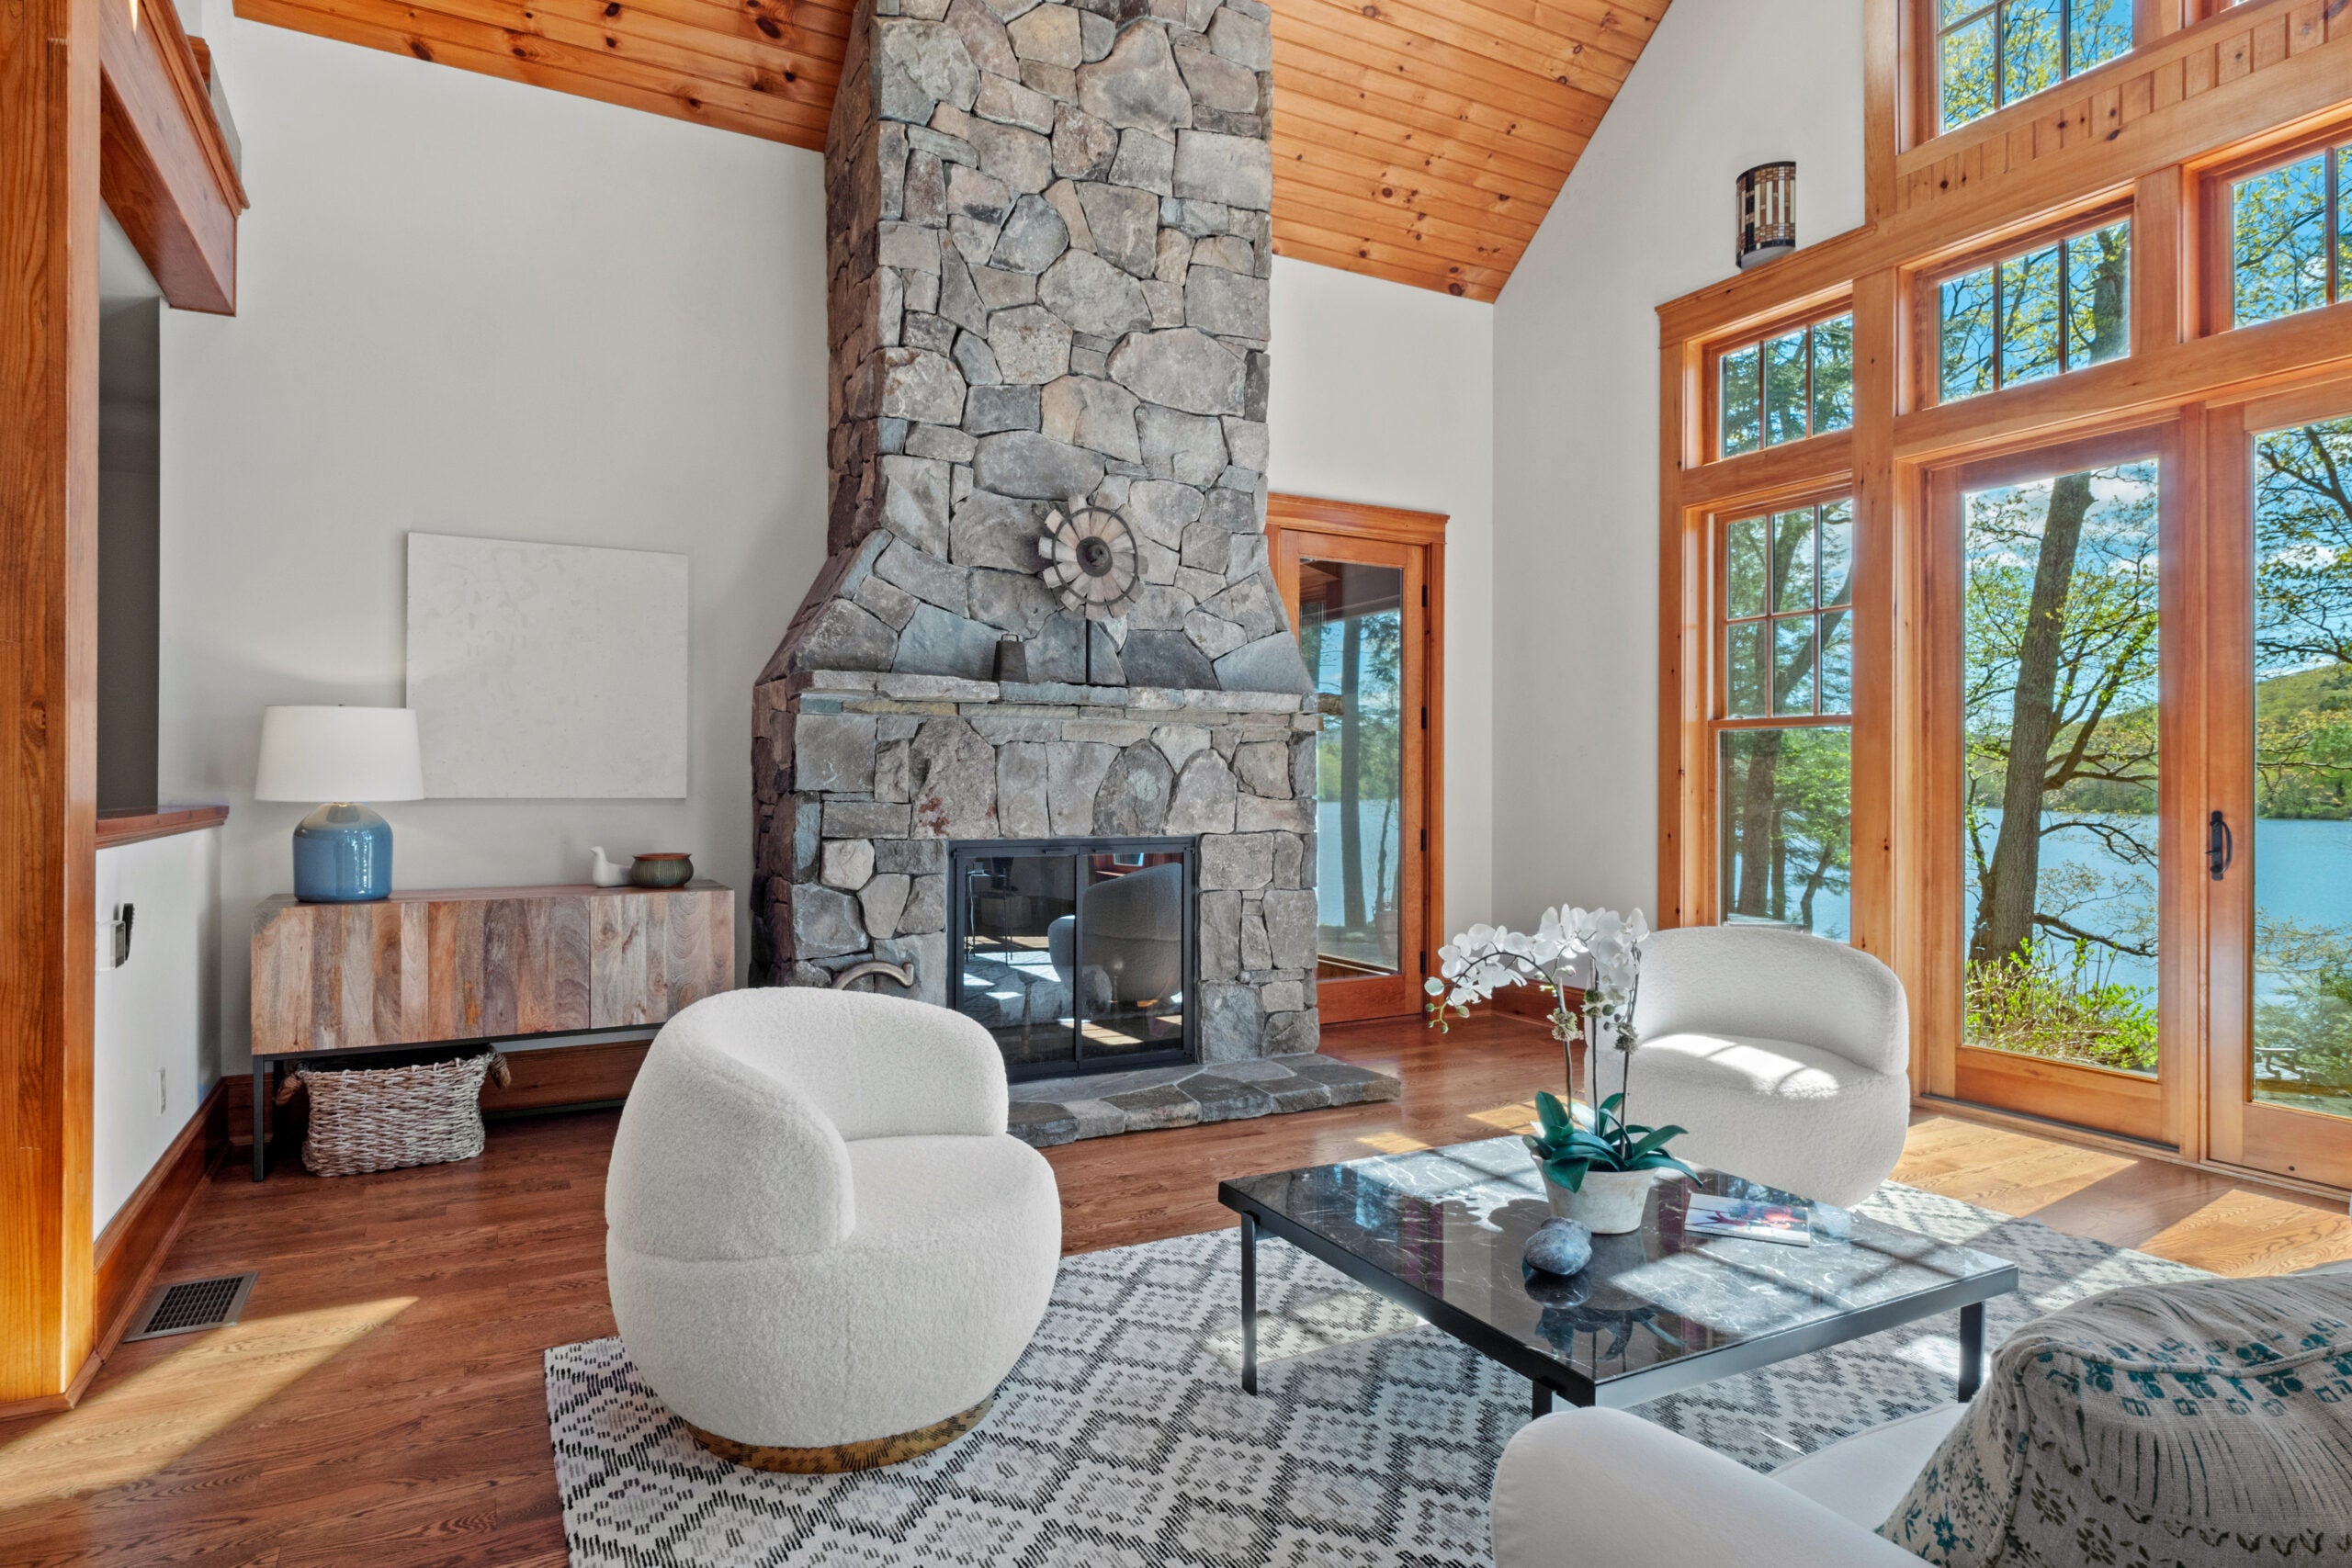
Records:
x=1420, y=140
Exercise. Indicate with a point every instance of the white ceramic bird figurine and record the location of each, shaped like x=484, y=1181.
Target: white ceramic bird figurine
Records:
x=605, y=872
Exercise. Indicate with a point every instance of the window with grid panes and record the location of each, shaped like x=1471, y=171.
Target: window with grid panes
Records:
x=2056, y=308
x=2290, y=245
x=1992, y=54
x=1789, y=386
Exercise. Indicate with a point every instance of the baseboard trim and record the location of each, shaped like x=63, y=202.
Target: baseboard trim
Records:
x=56, y=1403
x=130, y=1250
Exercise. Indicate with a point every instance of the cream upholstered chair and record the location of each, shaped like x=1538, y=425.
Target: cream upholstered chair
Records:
x=823, y=1249
x=1786, y=1057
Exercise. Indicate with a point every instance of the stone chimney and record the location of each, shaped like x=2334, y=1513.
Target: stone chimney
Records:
x=1049, y=253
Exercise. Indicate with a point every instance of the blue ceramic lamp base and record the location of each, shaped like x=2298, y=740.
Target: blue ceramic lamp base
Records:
x=343, y=855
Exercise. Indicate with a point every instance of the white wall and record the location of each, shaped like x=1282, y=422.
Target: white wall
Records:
x=1648, y=215
x=470, y=306
x=1386, y=394
x=155, y=1056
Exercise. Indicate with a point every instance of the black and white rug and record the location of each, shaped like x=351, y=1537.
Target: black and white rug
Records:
x=1123, y=1439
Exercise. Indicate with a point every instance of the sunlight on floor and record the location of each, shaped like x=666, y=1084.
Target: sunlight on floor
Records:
x=130, y=1430
x=1514, y=1118
x=1391, y=1144
x=2244, y=1232
x=2010, y=1172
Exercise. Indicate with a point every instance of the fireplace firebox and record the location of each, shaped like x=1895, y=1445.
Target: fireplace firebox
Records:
x=1077, y=954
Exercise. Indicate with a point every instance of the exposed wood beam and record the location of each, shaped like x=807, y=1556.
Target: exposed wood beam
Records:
x=48, y=403
x=164, y=169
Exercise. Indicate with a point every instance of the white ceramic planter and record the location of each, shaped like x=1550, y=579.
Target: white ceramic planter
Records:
x=1610, y=1202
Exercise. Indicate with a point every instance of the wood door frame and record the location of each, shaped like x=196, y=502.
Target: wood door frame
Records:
x=2281, y=1140
x=1425, y=531
x=2118, y=1104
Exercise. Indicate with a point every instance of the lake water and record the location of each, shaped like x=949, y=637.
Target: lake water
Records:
x=2304, y=872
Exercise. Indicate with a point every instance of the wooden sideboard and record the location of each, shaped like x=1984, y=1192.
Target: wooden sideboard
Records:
x=428, y=967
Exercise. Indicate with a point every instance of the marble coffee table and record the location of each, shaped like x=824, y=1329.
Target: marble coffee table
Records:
x=1440, y=1232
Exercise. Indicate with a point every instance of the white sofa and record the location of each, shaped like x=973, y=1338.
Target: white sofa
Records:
x=822, y=1243
x=1786, y=1057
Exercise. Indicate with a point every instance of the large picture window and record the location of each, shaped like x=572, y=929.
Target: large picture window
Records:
x=1783, y=799
x=2054, y=309
x=2289, y=247
x=1787, y=386
x=1988, y=55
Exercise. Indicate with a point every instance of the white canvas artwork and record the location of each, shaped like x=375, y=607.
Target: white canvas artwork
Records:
x=547, y=671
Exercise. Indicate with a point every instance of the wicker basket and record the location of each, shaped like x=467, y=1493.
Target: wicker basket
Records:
x=366, y=1119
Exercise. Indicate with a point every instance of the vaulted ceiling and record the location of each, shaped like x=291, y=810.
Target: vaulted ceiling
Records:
x=1420, y=140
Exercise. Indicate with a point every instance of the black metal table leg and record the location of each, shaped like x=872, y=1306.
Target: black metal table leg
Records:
x=1972, y=1350
x=1541, y=1403
x=1249, y=1303
x=260, y=1101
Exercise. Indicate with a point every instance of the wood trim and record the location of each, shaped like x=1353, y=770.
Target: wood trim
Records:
x=164, y=168
x=48, y=403
x=1422, y=537
x=115, y=827
x=1887, y=97
x=2173, y=102
x=130, y=1250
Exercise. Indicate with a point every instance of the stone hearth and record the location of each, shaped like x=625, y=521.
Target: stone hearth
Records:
x=1049, y=255
x=1062, y=1111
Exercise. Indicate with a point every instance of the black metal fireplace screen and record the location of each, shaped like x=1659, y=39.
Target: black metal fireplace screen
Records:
x=1075, y=954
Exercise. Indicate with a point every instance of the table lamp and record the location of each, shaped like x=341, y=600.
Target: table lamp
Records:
x=342, y=851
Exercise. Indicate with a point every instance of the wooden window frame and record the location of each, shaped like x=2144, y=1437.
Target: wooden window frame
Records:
x=2217, y=223
x=1926, y=305
x=1922, y=58
x=1711, y=435
x=2208, y=90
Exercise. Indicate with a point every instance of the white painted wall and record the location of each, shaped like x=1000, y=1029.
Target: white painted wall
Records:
x=1386, y=394
x=1648, y=214
x=469, y=306
x=155, y=1025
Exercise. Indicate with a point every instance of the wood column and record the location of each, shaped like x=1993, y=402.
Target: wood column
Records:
x=49, y=405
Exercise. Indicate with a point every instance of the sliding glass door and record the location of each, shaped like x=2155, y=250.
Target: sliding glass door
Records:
x=2053, y=906
x=2280, y=1082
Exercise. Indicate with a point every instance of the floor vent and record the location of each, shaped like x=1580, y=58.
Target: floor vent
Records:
x=192, y=1305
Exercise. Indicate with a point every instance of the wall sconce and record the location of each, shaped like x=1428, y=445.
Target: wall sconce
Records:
x=1768, y=213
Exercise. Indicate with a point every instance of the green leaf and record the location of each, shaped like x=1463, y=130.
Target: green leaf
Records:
x=1568, y=1173
x=1552, y=1113
x=1661, y=1162
x=1658, y=1139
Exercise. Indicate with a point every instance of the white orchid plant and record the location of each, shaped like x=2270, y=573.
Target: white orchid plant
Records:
x=1599, y=951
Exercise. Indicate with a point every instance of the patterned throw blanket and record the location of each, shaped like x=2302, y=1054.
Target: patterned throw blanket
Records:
x=2187, y=1424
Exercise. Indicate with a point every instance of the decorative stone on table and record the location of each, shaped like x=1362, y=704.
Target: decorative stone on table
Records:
x=1558, y=1246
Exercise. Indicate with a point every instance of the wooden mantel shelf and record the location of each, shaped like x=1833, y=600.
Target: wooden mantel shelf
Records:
x=129, y=826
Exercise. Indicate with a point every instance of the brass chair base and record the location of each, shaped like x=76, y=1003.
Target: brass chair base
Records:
x=870, y=1454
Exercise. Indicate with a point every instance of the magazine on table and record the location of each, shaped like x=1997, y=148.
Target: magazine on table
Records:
x=1751, y=1219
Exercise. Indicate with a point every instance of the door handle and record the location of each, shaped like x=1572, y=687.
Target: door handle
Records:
x=2221, y=845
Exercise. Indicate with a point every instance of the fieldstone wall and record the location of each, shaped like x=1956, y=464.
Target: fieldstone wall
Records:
x=1049, y=251
x=882, y=771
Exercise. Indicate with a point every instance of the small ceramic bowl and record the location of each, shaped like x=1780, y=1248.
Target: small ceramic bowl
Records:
x=669, y=870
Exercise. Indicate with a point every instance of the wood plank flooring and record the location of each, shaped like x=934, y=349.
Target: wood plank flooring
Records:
x=382, y=1403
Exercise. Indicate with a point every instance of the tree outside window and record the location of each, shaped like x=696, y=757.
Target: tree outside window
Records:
x=2289, y=247
x=2054, y=309
x=1989, y=55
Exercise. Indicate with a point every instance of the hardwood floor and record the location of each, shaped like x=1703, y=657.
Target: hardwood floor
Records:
x=382, y=1403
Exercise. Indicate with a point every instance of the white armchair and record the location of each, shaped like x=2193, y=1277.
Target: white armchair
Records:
x=1786, y=1056
x=824, y=1251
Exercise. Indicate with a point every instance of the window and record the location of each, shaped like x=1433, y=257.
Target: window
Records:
x=2058, y=308
x=1988, y=55
x=1783, y=796
x=1786, y=388
x=2289, y=245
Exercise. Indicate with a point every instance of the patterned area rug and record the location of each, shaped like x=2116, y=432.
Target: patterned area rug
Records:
x=1123, y=1439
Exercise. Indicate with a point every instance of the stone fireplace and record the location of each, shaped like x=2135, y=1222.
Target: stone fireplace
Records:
x=1049, y=253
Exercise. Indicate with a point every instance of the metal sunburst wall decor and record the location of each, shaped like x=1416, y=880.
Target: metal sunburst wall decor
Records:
x=1090, y=559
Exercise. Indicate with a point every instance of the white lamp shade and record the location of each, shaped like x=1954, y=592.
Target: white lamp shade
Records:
x=338, y=753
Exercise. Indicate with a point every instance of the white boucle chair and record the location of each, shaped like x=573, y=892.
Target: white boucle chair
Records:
x=1786, y=1057
x=823, y=1249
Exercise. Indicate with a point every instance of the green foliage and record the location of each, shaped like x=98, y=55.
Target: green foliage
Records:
x=2059, y=1001
x=2039, y=44
x=2302, y=1031
x=1571, y=1142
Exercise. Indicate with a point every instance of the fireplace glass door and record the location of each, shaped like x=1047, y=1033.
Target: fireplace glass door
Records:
x=1078, y=956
